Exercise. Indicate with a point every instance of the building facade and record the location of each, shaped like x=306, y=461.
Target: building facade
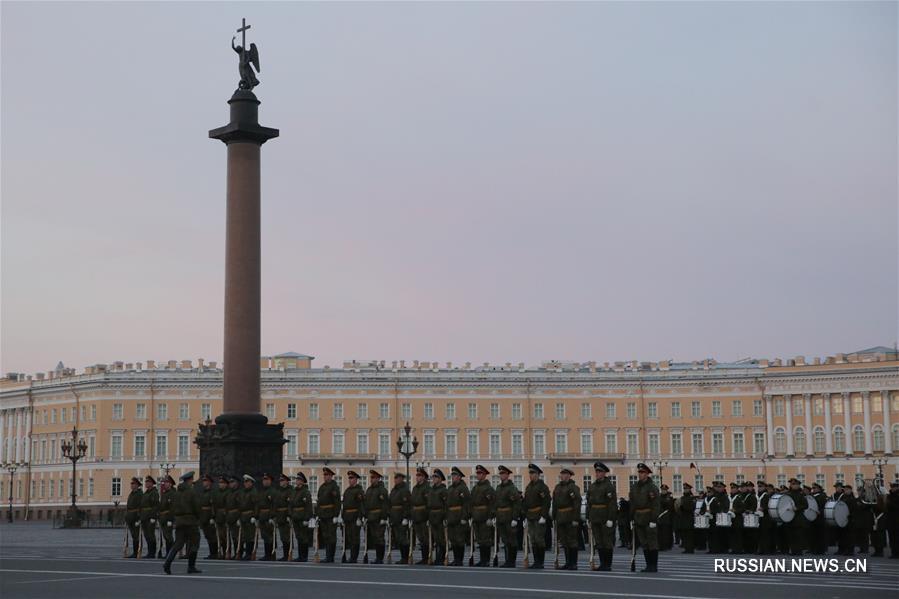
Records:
x=827, y=420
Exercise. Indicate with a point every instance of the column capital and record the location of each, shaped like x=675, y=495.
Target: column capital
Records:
x=866, y=395
x=846, y=395
x=807, y=396
x=826, y=396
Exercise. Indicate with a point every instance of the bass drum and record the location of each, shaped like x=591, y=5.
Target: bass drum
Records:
x=811, y=513
x=781, y=508
x=836, y=513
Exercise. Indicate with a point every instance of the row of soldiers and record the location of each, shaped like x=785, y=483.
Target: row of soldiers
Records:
x=439, y=518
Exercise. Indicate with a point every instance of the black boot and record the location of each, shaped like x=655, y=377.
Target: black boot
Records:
x=332, y=551
x=192, y=564
x=286, y=558
x=484, y=552
x=608, y=559
x=379, y=554
x=302, y=553
x=151, y=550
x=266, y=552
x=441, y=555
x=538, y=559
x=354, y=554
x=247, y=549
x=511, y=557
x=167, y=565
x=424, y=556
x=572, y=559
x=404, y=554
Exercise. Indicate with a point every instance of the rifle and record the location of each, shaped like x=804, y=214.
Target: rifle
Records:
x=592, y=549
x=239, y=549
x=140, y=541
x=387, y=531
x=275, y=533
x=471, y=538
x=524, y=525
x=290, y=544
x=495, y=544
x=633, y=548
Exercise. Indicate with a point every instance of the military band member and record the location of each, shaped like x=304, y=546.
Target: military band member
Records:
x=767, y=525
x=132, y=516
x=750, y=506
x=737, y=508
x=352, y=515
x=400, y=515
x=207, y=517
x=666, y=519
x=482, y=517
x=602, y=513
x=328, y=512
x=624, y=523
x=377, y=511
x=536, y=507
x=863, y=521
x=302, y=517
x=796, y=528
x=281, y=507
x=149, y=513
x=892, y=519
x=566, y=512
x=420, y=495
x=458, y=515
x=645, y=509
x=186, y=511
x=437, y=513
x=684, y=509
x=232, y=509
x=166, y=518
x=508, y=513
x=818, y=527
x=247, y=503
x=844, y=535
x=719, y=503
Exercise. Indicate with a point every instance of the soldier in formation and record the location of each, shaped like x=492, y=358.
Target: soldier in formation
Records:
x=302, y=518
x=566, y=513
x=457, y=518
x=328, y=514
x=166, y=518
x=401, y=516
x=232, y=509
x=149, y=512
x=376, y=511
x=352, y=517
x=420, y=509
x=207, y=515
x=220, y=511
x=437, y=513
x=602, y=513
x=483, y=499
x=645, y=507
x=507, y=516
x=187, y=512
x=684, y=509
x=246, y=504
x=281, y=510
x=132, y=516
x=536, y=507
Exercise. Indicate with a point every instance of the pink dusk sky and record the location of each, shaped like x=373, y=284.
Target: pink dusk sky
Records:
x=455, y=181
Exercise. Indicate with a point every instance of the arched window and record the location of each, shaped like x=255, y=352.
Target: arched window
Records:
x=799, y=441
x=877, y=433
x=820, y=443
x=839, y=440
x=780, y=441
x=858, y=439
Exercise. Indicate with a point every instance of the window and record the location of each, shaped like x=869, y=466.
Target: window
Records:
x=561, y=442
x=652, y=410
x=818, y=406
x=611, y=442
x=495, y=451
x=313, y=443
x=116, y=487
x=292, y=445
x=560, y=411
x=877, y=434
x=451, y=445
x=140, y=411
x=362, y=443
x=337, y=411
x=384, y=445
x=631, y=410
x=183, y=446
x=337, y=445
x=781, y=480
x=654, y=444
x=677, y=484
x=206, y=411
x=858, y=438
x=839, y=440
x=857, y=405
x=675, y=409
x=539, y=445
x=313, y=484
x=494, y=411
x=780, y=441
x=757, y=410
x=836, y=405
x=516, y=411
x=736, y=408
x=631, y=480
x=859, y=481
x=53, y=415
x=799, y=441
x=610, y=411
x=270, y=411
x=797, y=407
x=384, y=411
x=820, y=446
x=586, y=482
x=739, y=445
x=697, y=444
x=718, y=443
x=291, y=411
x=841, y=478
x=51, y=487
x=362, y=411
x=677, y=444
x=116, y=446
x=184, y=411
x=586, y=442
x=117, y=412
x=472, y=411
x=538, y=411
x=91, y=446
x=450, y=411
x=472, y=444
x=696, y=409
x=429, y=411
x=779, y=406
x=162, y=411
x=140, y=445
x=62, y=415
x=517, y=444
x=716, y=408
x=406, y=411
x=517, y=481
x=429, y=445
x=877, y=404
x=313, y=411
x=43, y=488
x=162, y=441
x=632, y=448
x=758, y=443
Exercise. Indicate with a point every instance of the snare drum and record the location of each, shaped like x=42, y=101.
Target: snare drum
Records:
x=836, y=513
x=701, y=521
x=697, y=508
x=722, y=519
x=750, y=520
x=781, y=508
x=811, y=512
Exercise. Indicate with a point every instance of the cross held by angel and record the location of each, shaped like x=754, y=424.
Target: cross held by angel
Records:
x=248, y=58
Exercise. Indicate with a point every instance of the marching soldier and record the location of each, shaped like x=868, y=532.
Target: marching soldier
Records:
x=567, y=516
x=376, y=510
x=482, y=517
x=232, y=507
x=281, y=508
x=247, y=503
x=207, y=516
x=602, y=512
x=353, y=511
x=624, y=519
x=302, y=517
x=458, y=515
x=737, y=508
x=149, y=507
x=328, y=512
x=437, y=514
x=220, y=509
x=508, y=512
x=187, y=512
x=666, y=519
x=536, y=504
x=132, y=515
x=645, y=508
x=818, y=535
x=265, y=512
x=420, y=496
x=683, y=518
x=166, y=519
x=400, y=515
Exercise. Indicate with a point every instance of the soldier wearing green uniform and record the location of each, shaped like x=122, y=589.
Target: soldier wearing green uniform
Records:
x=645, y=507
x=420, y=495
x=232, y=508
x=353, y=501
x=458, y=515
x=132, y=516
x=602, y=514
x=507, y=513
x=220, y=511
x=437, y=512
x=567, y=517
x=187, y=512
x=328, y=513
x=166, y=519
x=281, y=508
x=535, y=505
x=797, y=527
x=483, y=512
x=666, y=518
x=683, y=518
x=265, y=514
x=718, y=503
x=149, y=513
x=247, y=502
x=207, y=517
x=376, y=509
x=301, y=516
x=400, y=515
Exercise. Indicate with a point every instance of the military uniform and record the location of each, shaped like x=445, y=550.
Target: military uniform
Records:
x=767, y=525
x=132, y=516
x=149, y=513
x=818, y=527
x=232, y=509
x=281, y=510
x=892, y=519
x=420, y=497
x=602, y=512
x=718, y=503
x=508, y=514
x=187, y=511
x=566, y=513
x=166, y=518
x=301, y=517
x=666, y=519
x=536, y=507
x=750, y=505
x=400, y=515
x=376, y=509
x=683, y=518
x=737, y=508
x=220, y=513
x=645, y=508
x=796, y=528
x=458, y=516
x=328, y=513
x=207, y=516
x=482, y=513
x=437, y=514
x=265, y=514
x=844, y=535
x=353, y=511
x=247, y=503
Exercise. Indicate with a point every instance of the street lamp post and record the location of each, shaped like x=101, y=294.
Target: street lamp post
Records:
x=403, y=443
x=166, y=467
x=879, y=463
x=660, y=464
x=10, y=467
x=74, y=450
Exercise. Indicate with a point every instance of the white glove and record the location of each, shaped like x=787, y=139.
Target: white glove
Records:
x=609, y=524
x=152, y=520
x=252, y=520
x=405, y=522
x=358, y=521
x=491, y=522
x=211, y=521
x=335, y=519
x=464, y=522
x=311, y=523
x=339, y=519
x=169, y=523
x=514, y=523
x=383, y=522
x=542, y=520
x=652, y=525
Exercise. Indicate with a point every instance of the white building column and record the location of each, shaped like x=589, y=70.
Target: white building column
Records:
x=27, y=435
x=769, y=416
x=847, y=423
x=828, y=425
x=887, y=430
x=3, y=436
x=788, y=406
x=18, y=439
x=809, y=434
x=866, y=403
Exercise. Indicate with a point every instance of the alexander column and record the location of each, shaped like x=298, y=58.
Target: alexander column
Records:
x=241, y=441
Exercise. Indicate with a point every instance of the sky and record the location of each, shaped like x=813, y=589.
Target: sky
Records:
x=499, y=182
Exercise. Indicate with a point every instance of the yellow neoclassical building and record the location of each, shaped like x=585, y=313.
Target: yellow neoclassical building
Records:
x=820, y=420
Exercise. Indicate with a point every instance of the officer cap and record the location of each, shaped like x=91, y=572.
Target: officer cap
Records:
x=208, y=477
x=566, y=471
x=168, y=478
x=895, y=483
x=398, y=474
x=326, y=470
x=233, y=479
x=223, y=479
x=600, y=466
x=534, y=468
x=749, y=483
x=267, y=476
x=135, y=480
x=421, y=470
x=734, y=485
x=644, y=467
x=502, y=469
x=149, y=479
x=439, y=474
x=795, y=480
x=664, y=487
x=718, y=483
x=374, y=473
x=284, y=477
x=247, y=477
x=481, y=470
x=456, y=472
x=352, y=474
x=301, y=476
x=688, y=486
x=187, y=476
x=837, y=484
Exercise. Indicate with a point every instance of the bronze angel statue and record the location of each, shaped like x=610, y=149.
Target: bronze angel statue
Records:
x=248, y=60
